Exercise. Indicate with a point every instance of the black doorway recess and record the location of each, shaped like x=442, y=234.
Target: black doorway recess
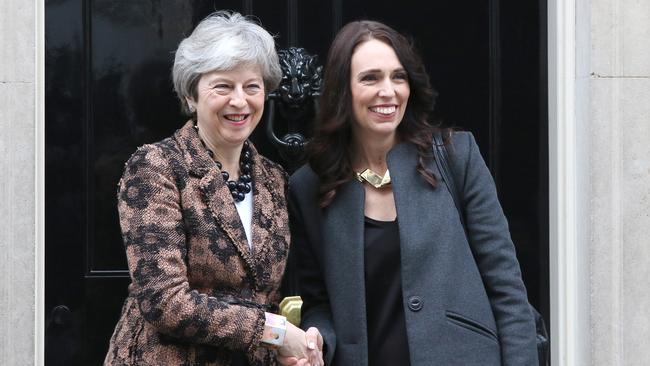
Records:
x=108, y=90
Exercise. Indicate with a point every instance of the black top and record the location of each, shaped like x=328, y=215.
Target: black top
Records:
x=387, y=342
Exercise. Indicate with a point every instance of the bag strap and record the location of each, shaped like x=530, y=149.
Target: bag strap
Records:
x=442, y=161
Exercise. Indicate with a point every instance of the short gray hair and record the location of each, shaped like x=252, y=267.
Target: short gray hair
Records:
x=223, y=41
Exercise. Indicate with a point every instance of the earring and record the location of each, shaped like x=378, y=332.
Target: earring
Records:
x=190, y=108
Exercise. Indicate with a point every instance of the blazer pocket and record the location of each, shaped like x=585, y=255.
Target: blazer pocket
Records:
x=472, y=325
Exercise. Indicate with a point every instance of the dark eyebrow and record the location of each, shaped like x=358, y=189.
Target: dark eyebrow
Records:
x=371, y=71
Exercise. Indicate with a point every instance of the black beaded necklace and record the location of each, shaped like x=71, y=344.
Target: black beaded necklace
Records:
x=243, y=185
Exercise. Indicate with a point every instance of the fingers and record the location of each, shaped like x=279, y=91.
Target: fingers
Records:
x=320, y=341
x=314, y=339
x=288, y=361
x=315, y=345
x=293, y=361
x=316, y=358
x=301, y=348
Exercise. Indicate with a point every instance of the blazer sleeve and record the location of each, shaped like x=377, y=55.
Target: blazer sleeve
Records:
x=494, y=252
x=311, y=285
x=153, y=232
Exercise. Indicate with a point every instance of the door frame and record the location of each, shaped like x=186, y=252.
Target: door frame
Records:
x=568, y=206
x=39, y=184
x=568, y=90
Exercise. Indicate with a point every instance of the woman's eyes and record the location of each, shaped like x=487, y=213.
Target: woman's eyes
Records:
x=221, y=87
x=401, y=76
x=226, y=88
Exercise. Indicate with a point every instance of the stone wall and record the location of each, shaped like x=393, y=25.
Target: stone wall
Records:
x=17, y=182
x=619, y=175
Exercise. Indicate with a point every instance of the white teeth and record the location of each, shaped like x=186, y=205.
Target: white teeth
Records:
x=383, y=110
x=236, y=117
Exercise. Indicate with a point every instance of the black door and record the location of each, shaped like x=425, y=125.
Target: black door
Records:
x=108, y=90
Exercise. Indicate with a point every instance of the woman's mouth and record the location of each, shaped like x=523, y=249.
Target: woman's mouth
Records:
x=384, y=110
x=236, y=119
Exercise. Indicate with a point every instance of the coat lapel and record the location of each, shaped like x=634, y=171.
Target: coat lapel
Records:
x=218, y=198
x=343, y=236
x=418, y=209
x=270, y=228
x=214, y=191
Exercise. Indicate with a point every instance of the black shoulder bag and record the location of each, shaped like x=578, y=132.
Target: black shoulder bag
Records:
x=442, y=161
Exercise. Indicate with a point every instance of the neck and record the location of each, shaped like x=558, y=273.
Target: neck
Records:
x=371, y=153
x=227, y=155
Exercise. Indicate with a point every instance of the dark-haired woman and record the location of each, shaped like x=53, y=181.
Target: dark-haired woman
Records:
x=384, y=266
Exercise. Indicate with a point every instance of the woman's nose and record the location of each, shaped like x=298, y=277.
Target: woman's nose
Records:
x=238, y=98
x=387, y=91
x=386, y=88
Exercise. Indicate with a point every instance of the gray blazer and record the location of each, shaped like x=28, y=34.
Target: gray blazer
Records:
x=464, y=303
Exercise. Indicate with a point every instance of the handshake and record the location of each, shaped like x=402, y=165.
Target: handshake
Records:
x=297, y=347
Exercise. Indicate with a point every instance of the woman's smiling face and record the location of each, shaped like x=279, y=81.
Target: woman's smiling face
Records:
x=230, y=104
x=379, y=87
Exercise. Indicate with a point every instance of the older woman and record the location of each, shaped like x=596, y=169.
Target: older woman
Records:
x=204, y=217
x=385, y=268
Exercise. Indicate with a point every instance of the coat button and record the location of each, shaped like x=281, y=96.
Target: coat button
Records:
x=415, y=303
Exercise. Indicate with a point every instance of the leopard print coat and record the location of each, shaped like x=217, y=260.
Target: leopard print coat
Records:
x=197, y=293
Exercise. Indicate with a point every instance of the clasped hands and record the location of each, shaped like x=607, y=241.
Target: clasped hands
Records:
x=301, y=348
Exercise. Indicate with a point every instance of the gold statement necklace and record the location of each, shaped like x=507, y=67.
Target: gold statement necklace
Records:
x=374, y=179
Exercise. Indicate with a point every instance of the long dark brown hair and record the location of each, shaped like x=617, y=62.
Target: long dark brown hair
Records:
x=330, y=150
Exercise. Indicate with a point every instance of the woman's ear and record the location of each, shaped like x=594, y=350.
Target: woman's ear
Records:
x=191, y=106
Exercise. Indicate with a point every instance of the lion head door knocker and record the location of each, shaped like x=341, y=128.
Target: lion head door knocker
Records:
x=296, y=99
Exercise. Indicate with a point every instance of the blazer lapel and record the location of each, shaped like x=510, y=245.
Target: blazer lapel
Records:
x=270, y=227
x=218, y=198
x=215, y=193
x=418, y=209
x=343, y=238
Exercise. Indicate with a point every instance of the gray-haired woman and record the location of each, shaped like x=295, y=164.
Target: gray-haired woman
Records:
x=204, y=217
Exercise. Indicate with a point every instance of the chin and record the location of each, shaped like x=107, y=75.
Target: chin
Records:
x=386, y=129
x=237, y=139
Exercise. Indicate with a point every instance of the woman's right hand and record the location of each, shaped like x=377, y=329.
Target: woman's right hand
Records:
x=301, y=348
